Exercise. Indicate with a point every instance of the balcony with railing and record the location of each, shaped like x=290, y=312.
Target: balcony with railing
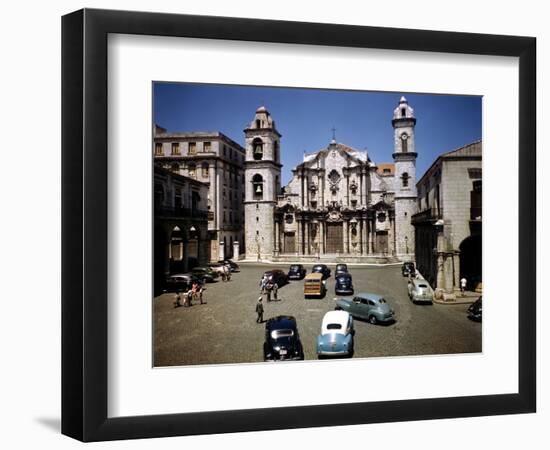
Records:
x=428, y=215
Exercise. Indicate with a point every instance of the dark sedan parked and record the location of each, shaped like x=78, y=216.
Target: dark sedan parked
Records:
x=234, y=267
x=205, y=273
x=180, y=282
x=296, y=272
x=340, y=268
x=321, y=268
x=276, y=276
x=343, y=285
x=475, y=310
x=407, y=269
x=282, y=340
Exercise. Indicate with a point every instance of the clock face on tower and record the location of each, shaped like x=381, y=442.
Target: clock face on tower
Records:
x=404, y=137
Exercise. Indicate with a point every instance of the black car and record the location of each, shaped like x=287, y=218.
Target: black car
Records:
x=282, y=340
x=475, y=310
x=296, y=272
x=344, y=284
x=276, y=276
x=234, y=267
x=180, y=282
x=321, y=268
x=340, y=268
x=407, y=269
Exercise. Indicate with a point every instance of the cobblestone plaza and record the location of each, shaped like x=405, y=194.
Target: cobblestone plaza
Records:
x=224, y=329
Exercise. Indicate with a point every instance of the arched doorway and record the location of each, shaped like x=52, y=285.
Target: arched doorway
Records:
x=177, y=263
x=470, y=261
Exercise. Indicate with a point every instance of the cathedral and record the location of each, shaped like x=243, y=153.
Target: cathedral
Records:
x=339, y=205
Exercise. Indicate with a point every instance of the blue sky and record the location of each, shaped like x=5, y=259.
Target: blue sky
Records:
x=305, y=118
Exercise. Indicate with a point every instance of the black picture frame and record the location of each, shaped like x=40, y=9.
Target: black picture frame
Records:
x=84, y=224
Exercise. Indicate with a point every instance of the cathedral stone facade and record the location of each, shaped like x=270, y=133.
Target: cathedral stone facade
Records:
x=339, y=204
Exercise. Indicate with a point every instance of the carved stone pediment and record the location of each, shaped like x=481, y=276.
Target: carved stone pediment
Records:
x=334, y=216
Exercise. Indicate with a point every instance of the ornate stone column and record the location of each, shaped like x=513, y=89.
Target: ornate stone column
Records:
x=364, y=236
x=346, y=236
x=322, y=237
x=276, y=241
x=299, y=238
x=371, y=235
x=307, y=249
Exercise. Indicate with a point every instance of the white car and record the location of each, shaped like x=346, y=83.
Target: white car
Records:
x=420, y=291
x=336, y=338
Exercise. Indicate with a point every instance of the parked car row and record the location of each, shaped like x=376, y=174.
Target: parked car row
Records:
x=201, y=274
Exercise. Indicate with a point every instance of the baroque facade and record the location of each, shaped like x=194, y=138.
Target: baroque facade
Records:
x=338, y=204
x=217, y=161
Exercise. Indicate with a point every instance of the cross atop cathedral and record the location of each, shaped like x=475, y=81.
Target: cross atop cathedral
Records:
x=333, y=133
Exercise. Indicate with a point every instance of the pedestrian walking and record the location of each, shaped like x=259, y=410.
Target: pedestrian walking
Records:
x=177, y=303
x=263, y=283
x=275, y=290
x=268, y=292
x=260, y=311
x=195, y=291
x=190, y=297
x=463, y=283
x=201, y=291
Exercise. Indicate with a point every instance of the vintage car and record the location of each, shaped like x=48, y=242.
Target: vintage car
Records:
x=343, y=284
x=321, y=268
x=368, y=306
x=276, y=276
x=407, y=269
x=420, y=291
x=340, y=268
x=336, y=338
x=314, y=285
x=296, y=272
x=205, y=274
x=180, y=282
x=282, y=340
x=475, y=310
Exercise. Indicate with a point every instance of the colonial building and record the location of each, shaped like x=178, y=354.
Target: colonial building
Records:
x=339, y=203
x=181, y=239
x=214, y=159
x=448, y=224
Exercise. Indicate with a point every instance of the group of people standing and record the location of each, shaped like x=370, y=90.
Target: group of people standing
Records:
x=267, y=288
x=194, y=293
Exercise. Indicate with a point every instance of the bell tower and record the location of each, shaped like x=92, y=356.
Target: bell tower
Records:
x=262, y=175
x=404, y=156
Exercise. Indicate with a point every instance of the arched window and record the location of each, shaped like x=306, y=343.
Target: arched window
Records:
x=205, y=170
x=258, y=149
x=403, y=112
x=192, y=170
x=405, y=179
x=275, y=151
x=258, y=186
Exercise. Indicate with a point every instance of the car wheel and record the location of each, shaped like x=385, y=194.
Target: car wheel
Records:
x=372, y=320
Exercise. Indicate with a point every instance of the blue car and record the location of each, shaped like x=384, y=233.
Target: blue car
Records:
x=336, y=338
x=368, y=306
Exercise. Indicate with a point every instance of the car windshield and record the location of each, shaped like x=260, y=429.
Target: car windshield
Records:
x=334, y=326
x=341, y=267
x=381, y=300
x=317, y=268
x=344, y=279
x=284, y=333
x=423, y=285
x=294, y=267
